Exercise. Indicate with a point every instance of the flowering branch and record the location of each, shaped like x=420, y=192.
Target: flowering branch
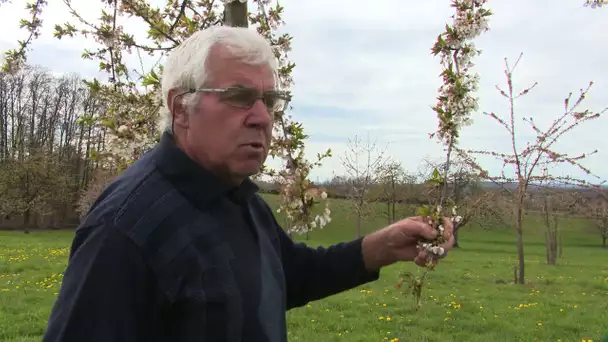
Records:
x=455, y=104
x=15, y=58
x=595, y=3
x=298, y=196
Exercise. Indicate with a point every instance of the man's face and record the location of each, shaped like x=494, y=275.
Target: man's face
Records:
x=230, y=141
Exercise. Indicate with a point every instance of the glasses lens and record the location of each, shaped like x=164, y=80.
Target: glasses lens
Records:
x=239, y=97
x=246, y=97
x=275, y=102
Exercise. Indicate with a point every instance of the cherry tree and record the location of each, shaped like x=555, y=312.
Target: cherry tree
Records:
x=523, y=167
x=362, y=160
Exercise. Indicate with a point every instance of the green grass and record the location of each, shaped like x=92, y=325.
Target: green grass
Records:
x=470, y=296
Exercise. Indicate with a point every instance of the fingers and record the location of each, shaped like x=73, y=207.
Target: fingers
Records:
x=425, y=230
x=420, y=227
x=445, y=246
x=415, y=230
x=423, y=257
x=448, y=228
x=449, y=244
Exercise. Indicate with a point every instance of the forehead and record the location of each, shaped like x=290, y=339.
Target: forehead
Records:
x=225, y=70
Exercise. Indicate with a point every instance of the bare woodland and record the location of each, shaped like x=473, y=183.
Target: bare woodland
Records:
x=49, y=140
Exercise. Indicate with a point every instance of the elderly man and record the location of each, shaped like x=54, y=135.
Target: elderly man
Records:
x=180, y=247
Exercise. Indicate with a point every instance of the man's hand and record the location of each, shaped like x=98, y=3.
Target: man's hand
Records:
x=399, y=242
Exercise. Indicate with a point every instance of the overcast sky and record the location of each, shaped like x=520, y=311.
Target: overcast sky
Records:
x=368, y=70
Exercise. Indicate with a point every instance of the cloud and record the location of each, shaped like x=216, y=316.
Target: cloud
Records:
x=375, y=63
x=367, y=69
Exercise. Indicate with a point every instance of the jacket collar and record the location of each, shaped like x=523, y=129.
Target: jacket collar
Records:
x=199, y=185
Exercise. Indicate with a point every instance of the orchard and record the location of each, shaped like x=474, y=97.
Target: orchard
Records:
x=489, y=290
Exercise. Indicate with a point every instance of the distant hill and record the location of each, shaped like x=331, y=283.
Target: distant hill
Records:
x=513, y=186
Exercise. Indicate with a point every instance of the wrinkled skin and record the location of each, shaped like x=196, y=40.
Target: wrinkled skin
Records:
x=231, y=142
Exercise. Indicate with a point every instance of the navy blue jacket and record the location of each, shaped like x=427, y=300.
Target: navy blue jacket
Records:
x=169, y=253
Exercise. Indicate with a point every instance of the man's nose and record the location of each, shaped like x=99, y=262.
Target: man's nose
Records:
x=259, y=115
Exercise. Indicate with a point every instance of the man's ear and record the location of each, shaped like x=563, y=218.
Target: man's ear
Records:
x=179, y=110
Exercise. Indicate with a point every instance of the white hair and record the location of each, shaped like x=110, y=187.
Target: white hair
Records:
x=186, y=66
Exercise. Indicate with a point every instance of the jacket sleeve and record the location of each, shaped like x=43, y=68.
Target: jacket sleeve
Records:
x=315, y=273
x=107, y=293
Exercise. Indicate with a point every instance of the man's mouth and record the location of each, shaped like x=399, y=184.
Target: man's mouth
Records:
x=255, y=145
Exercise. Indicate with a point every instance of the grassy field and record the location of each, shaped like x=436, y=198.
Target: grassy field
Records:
x=470, y=296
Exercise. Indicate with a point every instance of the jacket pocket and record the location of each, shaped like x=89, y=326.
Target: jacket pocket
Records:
x=206, y=305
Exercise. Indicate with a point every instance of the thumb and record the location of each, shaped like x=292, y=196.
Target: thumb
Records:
x=419, y=227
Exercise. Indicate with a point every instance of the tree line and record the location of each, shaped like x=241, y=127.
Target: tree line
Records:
x=49, y=140
x=52, y=144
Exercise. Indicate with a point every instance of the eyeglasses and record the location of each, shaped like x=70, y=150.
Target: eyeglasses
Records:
x=243, y=97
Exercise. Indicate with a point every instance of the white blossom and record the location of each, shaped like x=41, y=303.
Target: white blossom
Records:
x=437, y=250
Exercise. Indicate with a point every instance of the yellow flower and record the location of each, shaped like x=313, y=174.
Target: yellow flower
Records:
x=540, y=324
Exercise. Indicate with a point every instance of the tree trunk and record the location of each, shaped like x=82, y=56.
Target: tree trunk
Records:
x=455, y=239
x=393, y=198
x=388, y=211
x=551, y=235
x=520, y=243
x=358, y=225
x=27, y=216
x=549, y=250
x=604, y=238
x=236, y=14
